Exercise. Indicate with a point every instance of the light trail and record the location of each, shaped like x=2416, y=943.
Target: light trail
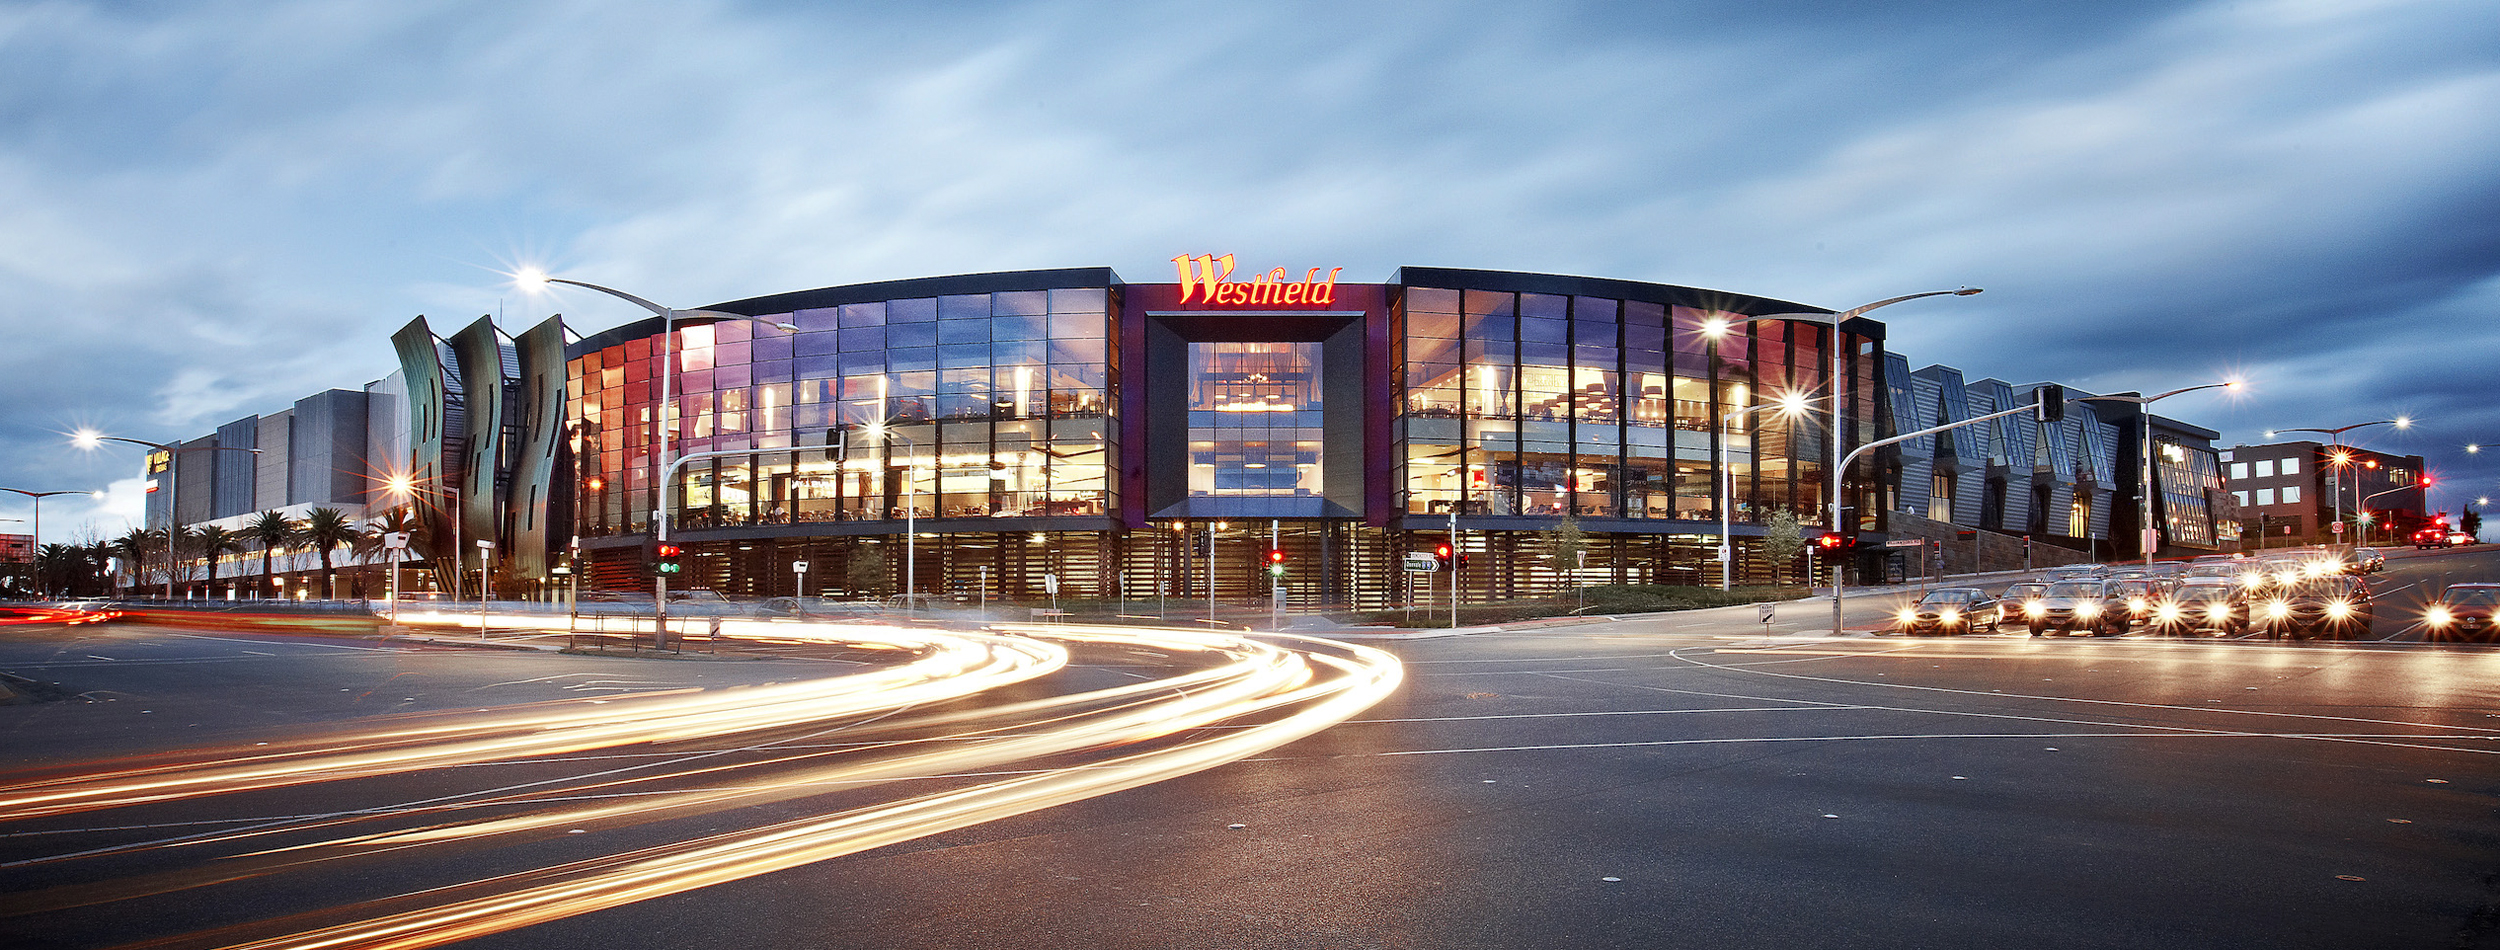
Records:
x=957, y=665
x=1226, y=697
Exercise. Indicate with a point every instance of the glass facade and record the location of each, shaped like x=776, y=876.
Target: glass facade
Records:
x=1254, y=419
x=960, y=406
x=1529, y=404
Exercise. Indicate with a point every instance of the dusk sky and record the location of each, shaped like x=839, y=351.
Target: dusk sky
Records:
x=215, y=208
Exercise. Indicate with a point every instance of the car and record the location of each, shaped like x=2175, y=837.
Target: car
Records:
x=2270, y=572
x=2431, y=537
x=2368, y=561
x=2223, y=571
x=2068, y=606
x=2195, y=608
x=1950, y=610
x=2458, y=539
x=2336, y=606
x=2073, y=572
x=2140, y=594
x=2018, y=596
x=2463, y=612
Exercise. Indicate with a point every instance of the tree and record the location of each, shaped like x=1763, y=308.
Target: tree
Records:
x=1563, y=544
x=273, y=530
x=325, y=529
x=209, y=542
x=59, y=567
x=1780, y=541
x=134, y=548
x=2471, y=522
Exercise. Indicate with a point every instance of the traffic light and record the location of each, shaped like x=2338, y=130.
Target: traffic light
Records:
x=1275, y=562
x=1829, y=542
x=1462, y=559
x=2426, y=481
x=1441, y=553
x=668, y=560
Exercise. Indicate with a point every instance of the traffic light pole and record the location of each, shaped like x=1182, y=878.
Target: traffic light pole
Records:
x=2047, y=394
x=1276, y=575
x=659, y=583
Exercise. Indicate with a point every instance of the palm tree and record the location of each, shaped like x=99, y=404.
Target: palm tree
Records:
x=325, y=529
x=133, y=549
x=209, y=542
x=273, y=530
x=57, y=567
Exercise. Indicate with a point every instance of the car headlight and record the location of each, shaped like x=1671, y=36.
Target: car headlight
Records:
x=2167, y=612
x=2251, y=579
x=1949, y=616
x=2278, y=610
x=2034, y=609
x=2135, y=604
x=2340, y=609
x=2088, y=610
x=2438, y=616
x=2286, y=578
x=1909, y=615
x=2218, y=611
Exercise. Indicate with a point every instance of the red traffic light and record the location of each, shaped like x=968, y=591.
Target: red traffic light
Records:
x=669, y=550
x=1275, y=556
x=2426, y=481
x=1442, y=550
x=1827, y=542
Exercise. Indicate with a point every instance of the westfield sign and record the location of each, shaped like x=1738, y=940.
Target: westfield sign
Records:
x=1206, y=278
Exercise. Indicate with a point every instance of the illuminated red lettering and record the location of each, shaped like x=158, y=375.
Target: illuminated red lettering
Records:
x=1206, y=278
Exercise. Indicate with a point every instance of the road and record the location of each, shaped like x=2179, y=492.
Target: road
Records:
x=1672, y=780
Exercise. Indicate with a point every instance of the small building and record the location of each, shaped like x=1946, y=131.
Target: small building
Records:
x=2296, y=493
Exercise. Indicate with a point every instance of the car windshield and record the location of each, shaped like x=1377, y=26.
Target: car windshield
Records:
x=1946, y=597
x=2075, y=589
x=2025, y=590
x=2473, y=597
x=2204, y=592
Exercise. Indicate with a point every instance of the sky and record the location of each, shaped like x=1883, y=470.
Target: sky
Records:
x=215, y=208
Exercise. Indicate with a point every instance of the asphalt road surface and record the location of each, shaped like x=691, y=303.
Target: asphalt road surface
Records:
x=1680, y=780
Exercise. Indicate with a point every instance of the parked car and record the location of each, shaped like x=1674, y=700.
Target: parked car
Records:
x=2194, y=608
x=2463, y=612
x=2335, y=606
x=1950, y=610
x=2068, y=606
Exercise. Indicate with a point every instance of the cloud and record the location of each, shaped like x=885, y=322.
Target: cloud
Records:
x=217, y=208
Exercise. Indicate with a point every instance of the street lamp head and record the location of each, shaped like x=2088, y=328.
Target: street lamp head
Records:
x=1714, y=327
x=1967, y=291
x=530, y=280
x=2404, y=422
x=786, y=327
x=1792, y=404
x=86, y=438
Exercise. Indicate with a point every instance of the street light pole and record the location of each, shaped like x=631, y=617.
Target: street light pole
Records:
x=1727, y=484
x=2145, y=532
x=1840, y=406
x=33, y=553
x=668, y=401
x=2335, y=437
x=883, y=430
x=87, y=439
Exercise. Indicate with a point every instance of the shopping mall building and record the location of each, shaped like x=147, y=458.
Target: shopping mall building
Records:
x=1130, y=440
